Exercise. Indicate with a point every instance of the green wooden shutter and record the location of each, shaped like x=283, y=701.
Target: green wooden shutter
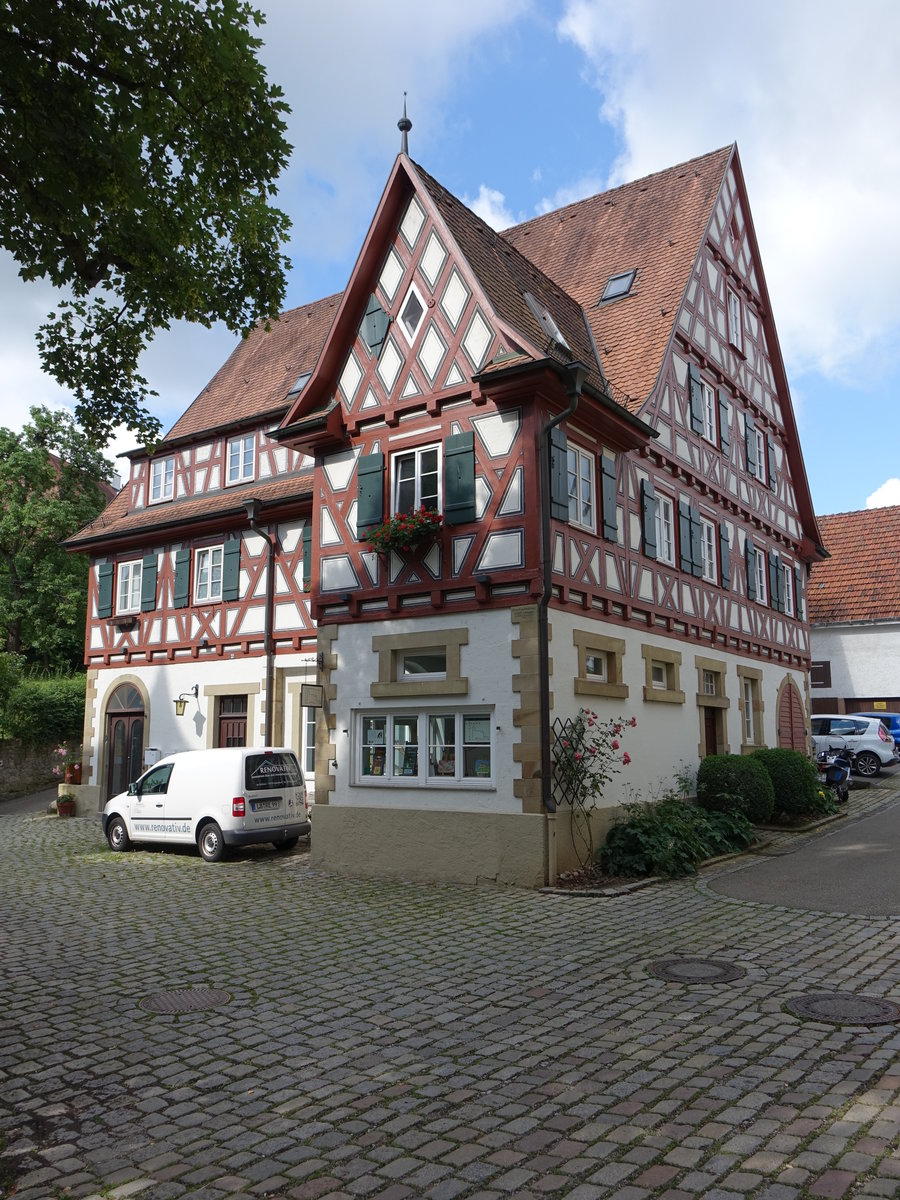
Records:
x=374, y=327
x=148, y=583
x=608, y=498
x=559, y=474
x=724, y=556
x=770, y=461
x=774, y=562
x=306, y=538
x=231, y=569
x=459, y=479
x=106, y=574
x=696, y=542
x=750, y=559
x=695, y=389
x=182, y=591
x=648, y=518
x=685, y=558
x=370, y=493
x=798, y=592
x=779, y=583
x=724, y=430
x=750, y=442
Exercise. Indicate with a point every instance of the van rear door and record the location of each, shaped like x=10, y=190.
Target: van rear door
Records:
x=273, y=787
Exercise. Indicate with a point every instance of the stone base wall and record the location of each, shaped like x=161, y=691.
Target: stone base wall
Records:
x=25, y=769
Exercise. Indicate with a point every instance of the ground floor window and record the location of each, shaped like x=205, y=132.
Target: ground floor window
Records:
x=232, y=729
x=422, y=748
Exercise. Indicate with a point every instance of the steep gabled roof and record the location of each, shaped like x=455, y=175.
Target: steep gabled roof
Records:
x=861, y=579
x=255, y=380
x=655, y=226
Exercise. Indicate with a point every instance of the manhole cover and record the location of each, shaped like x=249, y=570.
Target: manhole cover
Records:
x=183, y=1000
x=695, y=970
x=843, y=1008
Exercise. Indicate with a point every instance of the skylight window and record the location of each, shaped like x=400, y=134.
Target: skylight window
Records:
x=618, y=285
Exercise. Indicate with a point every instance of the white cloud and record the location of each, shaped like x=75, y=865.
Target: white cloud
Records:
x=886, y=495
x=490, y=205
x=810, y=92
x=570, y=193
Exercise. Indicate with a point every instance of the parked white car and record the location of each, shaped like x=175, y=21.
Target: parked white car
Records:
x=866, y=737
x=233, y=796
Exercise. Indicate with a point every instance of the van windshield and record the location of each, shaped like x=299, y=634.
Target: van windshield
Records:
x=266, y=771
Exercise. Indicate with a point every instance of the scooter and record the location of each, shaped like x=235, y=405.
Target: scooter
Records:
x=836, y=763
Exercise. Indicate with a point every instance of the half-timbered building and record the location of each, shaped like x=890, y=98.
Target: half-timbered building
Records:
x=595, y=403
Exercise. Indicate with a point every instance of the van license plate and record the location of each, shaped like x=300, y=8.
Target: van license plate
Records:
x=265, y=805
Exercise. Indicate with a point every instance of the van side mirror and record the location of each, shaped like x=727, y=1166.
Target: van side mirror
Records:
x=133, y=789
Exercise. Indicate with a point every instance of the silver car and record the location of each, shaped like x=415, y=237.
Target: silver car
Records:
x=867, y=737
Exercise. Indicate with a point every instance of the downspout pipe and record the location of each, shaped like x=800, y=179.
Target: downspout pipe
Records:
x=253, y=506
x=575, y=375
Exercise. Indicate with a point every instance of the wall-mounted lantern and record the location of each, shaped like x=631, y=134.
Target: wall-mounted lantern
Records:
x=182, y=700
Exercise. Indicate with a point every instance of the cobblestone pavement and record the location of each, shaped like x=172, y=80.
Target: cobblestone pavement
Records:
x=390, y=1040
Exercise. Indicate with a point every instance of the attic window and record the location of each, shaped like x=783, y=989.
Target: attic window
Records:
x=546, y=321
x=412, y=314
x=618, y=285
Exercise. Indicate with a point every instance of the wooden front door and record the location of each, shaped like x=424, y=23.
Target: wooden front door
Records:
x=124, y=738
x=791, y=722
x=232, y=721
x=711, y=730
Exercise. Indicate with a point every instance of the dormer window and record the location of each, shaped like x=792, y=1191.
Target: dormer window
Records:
x=162, y=479
x=618, y=285
x=412, y=314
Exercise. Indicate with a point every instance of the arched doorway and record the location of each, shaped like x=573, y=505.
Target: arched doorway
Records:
x=791, y=718
x=124, y=738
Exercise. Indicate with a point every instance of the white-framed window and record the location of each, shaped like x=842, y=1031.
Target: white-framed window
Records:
x=208, y=574
x=422, y=665
x=735, y=332
x=309, y=741
x=582, y=503
x=788, y=590
x=750, y=717
x=761, y=453
x=595, y=667
x=665, y=530
x=658, y=676
x=128, y=595
x=412, y=313
x=711, y=683
x=162, y=479
x=418, y=749
x=709, y=413
x=759, y=560
x=416, y=479
x=708, y=550
x=241, y=458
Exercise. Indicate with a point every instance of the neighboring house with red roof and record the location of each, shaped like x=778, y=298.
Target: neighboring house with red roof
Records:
x=595, y=402
x=854, y=614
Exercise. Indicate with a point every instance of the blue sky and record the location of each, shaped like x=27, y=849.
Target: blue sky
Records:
x=519, y=106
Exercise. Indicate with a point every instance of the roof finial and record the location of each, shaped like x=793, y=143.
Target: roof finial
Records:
x=404, y=125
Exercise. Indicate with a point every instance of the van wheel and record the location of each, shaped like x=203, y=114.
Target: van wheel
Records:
x=286, y=843
x=117, y=835
x=211, y=842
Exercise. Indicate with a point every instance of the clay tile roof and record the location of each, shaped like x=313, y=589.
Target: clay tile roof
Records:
x=861, y=580
x=117, y=521
x=261, y=370
x=506, y=275
x=655, y=225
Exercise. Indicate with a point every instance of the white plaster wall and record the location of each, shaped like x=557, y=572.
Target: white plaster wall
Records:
x=667, y=735
x=486, y=661
x=865, y=660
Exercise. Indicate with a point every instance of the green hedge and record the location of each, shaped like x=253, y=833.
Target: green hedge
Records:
x=795, y=781
x=735, y=783
x=46, y=710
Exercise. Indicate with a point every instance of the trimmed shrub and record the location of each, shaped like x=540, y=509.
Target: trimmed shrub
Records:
x=47, y=710
x=735, y=783
x=671, y=838
x=795, y=781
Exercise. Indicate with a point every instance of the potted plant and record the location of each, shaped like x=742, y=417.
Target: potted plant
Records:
x=405, y=531
x=65, y=805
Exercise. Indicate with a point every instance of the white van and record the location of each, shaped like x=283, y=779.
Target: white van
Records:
x=234, y=796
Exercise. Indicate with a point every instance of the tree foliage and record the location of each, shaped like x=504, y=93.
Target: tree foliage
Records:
x=139, y=144
x=49, y=485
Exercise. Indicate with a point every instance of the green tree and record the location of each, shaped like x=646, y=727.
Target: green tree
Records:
x=139, y=144
x=49, y=488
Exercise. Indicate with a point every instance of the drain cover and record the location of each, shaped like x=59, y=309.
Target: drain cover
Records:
x=844, y=1008
x=184, y=1000
x=695, y=970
